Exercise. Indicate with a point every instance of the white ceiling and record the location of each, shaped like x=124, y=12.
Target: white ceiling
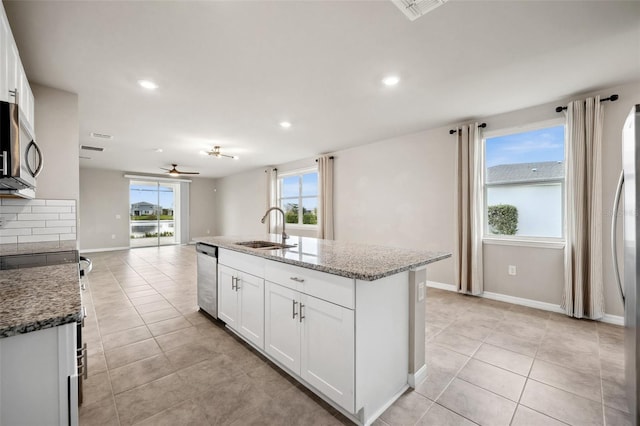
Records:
x=229, y=72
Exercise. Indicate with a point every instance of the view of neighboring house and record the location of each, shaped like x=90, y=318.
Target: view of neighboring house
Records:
x=535, y=189
x=144, y=208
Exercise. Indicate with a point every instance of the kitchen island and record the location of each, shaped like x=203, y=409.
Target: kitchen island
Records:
x=346, y=320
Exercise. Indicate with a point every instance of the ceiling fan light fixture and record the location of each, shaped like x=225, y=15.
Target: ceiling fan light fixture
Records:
x=215, y=152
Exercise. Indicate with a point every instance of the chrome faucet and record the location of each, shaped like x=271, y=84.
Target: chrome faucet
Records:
x=284, y=234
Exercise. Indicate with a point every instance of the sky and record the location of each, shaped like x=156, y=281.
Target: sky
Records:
x=526, y=147
x=309, y=185
x=149, y=193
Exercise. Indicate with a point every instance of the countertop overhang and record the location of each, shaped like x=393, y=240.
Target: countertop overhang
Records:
x=352, y=260
x=38, y=298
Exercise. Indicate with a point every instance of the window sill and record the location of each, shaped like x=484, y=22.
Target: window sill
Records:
x=309, y=227
x=522, y=242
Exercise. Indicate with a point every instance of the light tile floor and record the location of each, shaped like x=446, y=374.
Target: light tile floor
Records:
x=155, y=360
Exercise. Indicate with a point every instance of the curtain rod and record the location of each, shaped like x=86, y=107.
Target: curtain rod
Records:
x=482, y=126
x=274, y=169
x=330, y=158
x=611, y=98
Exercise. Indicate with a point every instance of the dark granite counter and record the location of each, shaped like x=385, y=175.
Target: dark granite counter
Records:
x=41, y=297
x=360, y=261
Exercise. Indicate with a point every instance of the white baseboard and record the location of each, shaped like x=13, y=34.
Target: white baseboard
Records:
x=524, y=302
x=104, y=249
x=417, y=377
x=441, y=286
x=609, y=319
x=613, y=319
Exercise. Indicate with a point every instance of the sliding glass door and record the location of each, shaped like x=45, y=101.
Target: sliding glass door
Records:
x=154, y=213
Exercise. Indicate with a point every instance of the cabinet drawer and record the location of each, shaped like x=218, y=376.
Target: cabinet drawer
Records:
x=332, y=288
x=253, y=265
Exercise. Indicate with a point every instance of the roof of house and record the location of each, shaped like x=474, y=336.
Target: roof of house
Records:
x=525, y=172
x=143, y=203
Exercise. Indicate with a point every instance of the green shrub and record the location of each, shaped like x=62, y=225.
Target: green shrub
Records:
x=503, y=219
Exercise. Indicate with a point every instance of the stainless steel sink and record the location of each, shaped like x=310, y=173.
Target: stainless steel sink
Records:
x=264, y=245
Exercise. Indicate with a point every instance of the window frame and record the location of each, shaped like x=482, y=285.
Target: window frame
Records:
x=522, y=240
x=279, y=197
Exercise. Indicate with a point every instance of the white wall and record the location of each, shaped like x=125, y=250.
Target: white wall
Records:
x=104, y=194
x=400, y=192
x=241, y=200
x=57, y=133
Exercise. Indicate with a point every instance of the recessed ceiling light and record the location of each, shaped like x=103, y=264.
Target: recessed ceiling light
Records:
x=148, y=84
x=158, y=149
x=391, y=80
x=285, y=124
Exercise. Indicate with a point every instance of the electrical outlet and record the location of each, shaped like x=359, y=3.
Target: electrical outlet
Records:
x=420, y=292
x=113, y=236
x=513, y=270
x=118, y=216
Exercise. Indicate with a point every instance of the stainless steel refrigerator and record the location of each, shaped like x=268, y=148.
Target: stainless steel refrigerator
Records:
x=628, y=286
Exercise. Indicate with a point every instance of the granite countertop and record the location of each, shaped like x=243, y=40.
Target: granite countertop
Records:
x=360, y=261
x=40, y=297
x=32, y=248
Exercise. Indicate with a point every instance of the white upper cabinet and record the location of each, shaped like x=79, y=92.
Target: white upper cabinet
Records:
x=14, y=86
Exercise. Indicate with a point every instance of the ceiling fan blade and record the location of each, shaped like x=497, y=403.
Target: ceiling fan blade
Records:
x=189, y=173
x=162, y=168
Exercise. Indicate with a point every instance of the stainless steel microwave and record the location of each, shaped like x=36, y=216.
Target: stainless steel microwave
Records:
x=21, y=159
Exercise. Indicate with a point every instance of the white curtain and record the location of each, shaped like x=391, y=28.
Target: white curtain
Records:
x=468, y=207
x=583, y=292
x=325, y=197
x=272, y=198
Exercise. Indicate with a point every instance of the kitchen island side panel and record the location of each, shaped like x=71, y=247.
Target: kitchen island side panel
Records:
x=382, y=343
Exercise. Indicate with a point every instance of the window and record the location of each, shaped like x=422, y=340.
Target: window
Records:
x=298, y=197
x=524, y=182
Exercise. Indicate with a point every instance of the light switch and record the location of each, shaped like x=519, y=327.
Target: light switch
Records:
x=117, y=216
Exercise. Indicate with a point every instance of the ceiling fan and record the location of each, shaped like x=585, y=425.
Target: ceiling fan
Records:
x=215, y=152
x=175, y=172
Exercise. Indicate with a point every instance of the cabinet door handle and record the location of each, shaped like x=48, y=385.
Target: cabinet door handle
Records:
x=300, y=280
x=5, y=169
x=294, y=313
x=233, y=283
x=237, y=283
x=301, y=315
x=14, y=93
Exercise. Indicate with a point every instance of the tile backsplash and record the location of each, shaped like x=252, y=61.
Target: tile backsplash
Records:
x=34, y=221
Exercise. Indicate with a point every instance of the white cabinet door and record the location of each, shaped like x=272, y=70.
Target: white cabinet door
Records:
x=25, y=98
x=227, y=296
x=251, y=308
x=5, y=41
x=282, y=325
x=13, y=64
x=328, y=347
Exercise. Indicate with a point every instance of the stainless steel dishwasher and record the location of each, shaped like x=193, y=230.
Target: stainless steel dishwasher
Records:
x=207, y=278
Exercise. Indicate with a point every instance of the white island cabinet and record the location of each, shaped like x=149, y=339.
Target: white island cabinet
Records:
x=241, y=295
x=335, y=316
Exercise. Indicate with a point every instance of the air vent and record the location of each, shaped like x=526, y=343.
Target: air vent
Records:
x=92, y=148
x=82, y=157
x=100, y=135
x=413, y=9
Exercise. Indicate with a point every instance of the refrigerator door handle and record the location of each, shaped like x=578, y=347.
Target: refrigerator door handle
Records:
x=614, y=226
